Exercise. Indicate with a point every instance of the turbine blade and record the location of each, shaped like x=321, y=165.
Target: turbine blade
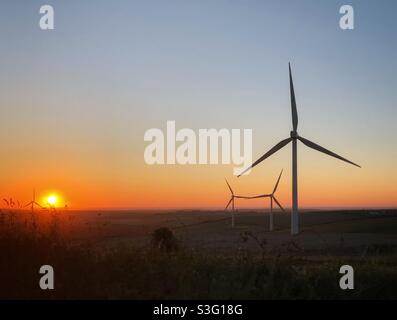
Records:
x=228, y=204
x=28, y=204
x=293, y=102
x=278, y=180
x=242, y=197
x=278, y=203
x=277, y=147
x=38, y=204
x=323, y=150
x=230, y=188
x=261, y=196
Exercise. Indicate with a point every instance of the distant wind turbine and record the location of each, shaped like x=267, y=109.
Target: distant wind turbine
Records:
x=231, y=201
x=33, y=202
x=272, y=198
x=294, y=137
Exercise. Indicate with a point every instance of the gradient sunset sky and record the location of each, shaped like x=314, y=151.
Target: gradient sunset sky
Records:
x=76, y=101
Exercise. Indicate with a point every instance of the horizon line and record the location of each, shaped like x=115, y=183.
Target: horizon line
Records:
x=323, y=208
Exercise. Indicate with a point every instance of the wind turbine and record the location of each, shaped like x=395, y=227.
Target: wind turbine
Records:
x=231, y=201
x=33, y=202
x=294, y=137
x=272, y=198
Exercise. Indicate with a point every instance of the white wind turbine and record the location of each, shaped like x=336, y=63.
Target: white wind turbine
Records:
x=294, y=137
x=272, y=198
x=231, y=201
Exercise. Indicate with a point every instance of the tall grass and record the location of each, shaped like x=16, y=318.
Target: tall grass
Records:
x=86, y=271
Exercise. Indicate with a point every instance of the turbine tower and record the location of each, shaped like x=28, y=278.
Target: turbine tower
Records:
x=33, y=202
x=294, y=137
x=272, y=198
x=231, y=201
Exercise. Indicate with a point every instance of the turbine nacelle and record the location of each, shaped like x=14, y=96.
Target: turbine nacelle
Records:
x=294, y=135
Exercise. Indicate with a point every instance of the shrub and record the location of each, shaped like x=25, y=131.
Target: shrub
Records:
x=164, y=239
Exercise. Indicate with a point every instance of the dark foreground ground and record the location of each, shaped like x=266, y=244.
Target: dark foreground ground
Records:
x=111, y=255
x=336, y=232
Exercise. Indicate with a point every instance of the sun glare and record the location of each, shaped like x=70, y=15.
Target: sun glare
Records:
x=52, y=200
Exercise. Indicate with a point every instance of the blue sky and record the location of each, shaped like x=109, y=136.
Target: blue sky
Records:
x=112, y=69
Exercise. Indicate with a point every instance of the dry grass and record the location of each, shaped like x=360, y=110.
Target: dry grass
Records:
x=86, y=269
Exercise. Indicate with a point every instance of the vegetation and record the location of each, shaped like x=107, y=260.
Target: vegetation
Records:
x=163, y=239
x=166, y=270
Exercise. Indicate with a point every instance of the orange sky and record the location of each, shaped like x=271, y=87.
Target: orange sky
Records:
x=84, y=182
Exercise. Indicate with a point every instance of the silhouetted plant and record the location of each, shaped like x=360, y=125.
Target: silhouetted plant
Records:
x=164, y=239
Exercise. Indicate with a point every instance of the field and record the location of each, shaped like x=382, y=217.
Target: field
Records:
x=340, y=232
x=197, y=254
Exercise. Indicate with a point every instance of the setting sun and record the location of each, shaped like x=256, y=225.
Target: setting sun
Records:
x=52, y=200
